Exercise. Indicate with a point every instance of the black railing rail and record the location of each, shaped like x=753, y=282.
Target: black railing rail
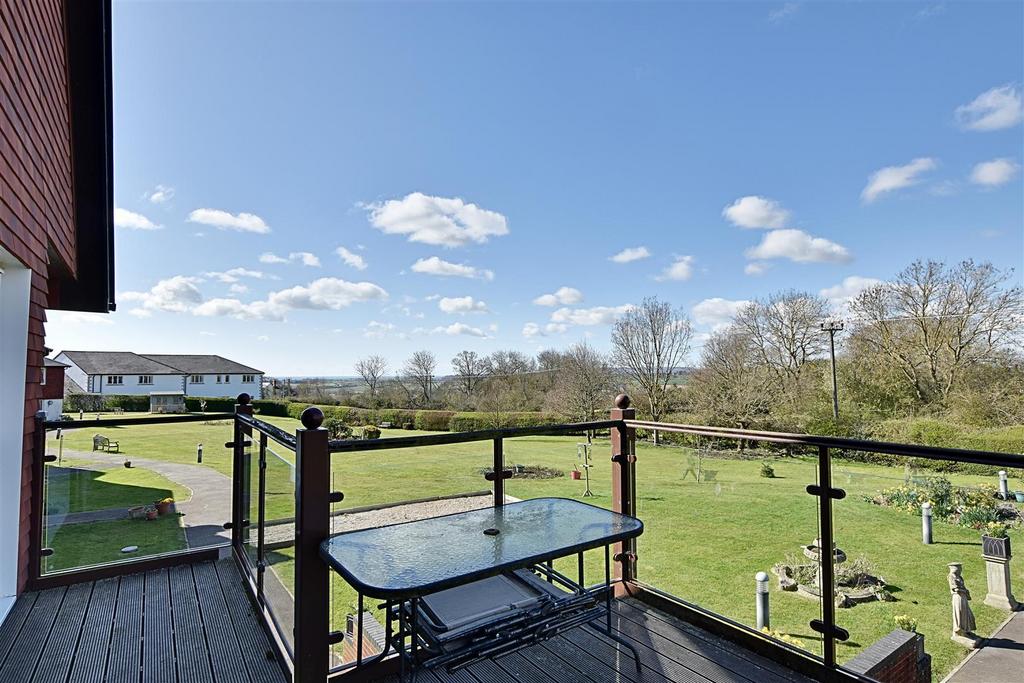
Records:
x=130, y=421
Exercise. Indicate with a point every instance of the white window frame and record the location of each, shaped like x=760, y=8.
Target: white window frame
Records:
x=227, y=379
x=196, y=379
x=146, y=380
x=42, y=376
x=248, y=379
x=115, y=380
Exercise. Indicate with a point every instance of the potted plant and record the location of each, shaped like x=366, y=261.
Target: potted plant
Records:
x=1019, y=495
x=151, y=513
x=995, y=540
x=165, y=506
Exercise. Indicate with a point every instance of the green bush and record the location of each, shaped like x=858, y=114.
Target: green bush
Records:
x=473, y=422
x=127, y=403
x=222, y=404
x=371, y=432
x=337, y=429
x=433, y=420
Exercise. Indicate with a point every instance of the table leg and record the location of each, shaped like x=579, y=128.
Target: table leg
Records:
x=359, y=632
x=579, y=568
x=608, y=610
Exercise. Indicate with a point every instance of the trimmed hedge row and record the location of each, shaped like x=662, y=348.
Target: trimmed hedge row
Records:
x=127, y=402
x=220, y=404
x=425, y=420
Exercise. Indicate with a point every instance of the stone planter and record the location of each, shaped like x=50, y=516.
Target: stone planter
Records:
x=995, y=547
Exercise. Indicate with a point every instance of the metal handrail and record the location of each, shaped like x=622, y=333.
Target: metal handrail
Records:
x=816, y=441
x=276, y=433
x=170, y=418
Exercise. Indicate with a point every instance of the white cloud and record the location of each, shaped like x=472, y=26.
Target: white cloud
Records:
x=234, y=274
x=376, y=330
x=255, y=310
x=780, y=14
x=140, y=312
x=223, y=220
x=447, y=222
x=57, y=318
x=456, y=329
x=756, y=268
x=238, y=288
x=994, y=173
x=270, y=257
x=797, y=245
x=350, y=259
x=630, y=254
x=717, y=312
x=123, y=218
x=599, y=315
x=327, y=293
x=461, y=305
x=681, y=269
x=564, y=296
x=263, y=338
x=176, y=294
x=842, y=294
x=305, y=258
x=893, y=178
x=160, y=194
x=993, y=109
x=756, y=212
x=441, y=268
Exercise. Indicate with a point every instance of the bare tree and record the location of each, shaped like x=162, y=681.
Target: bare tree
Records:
x=372, y=369
x=650, y=342
x=419, y=371
x=934, y=322
x=784, y=331
x=470, y=370
x=585, y=385
x=730, y=388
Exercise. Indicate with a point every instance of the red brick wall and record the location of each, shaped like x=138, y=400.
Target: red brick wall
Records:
x=36, y=201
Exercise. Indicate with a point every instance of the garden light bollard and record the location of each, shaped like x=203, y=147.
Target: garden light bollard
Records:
x=1004, y=486
x=926, y=523
x=199, y=453
x=763, y=619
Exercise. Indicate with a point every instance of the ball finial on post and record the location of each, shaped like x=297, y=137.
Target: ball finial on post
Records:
x=312, y=417
x=622, y=401
x=243, y=399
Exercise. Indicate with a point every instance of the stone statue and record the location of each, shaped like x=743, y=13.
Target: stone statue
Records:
x=963, y=617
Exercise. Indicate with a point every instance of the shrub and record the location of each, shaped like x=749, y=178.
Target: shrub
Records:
x=433, y=420
x=127, y=403
x=224, y=404
x=767, y=471
x=371, y=432
x=996, y=530
x=788, y=639
x=905, y=622
x=337, y=429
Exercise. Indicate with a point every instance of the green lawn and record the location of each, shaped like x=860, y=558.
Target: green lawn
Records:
x=78, y=545
x=703, y=541
x=78, y=485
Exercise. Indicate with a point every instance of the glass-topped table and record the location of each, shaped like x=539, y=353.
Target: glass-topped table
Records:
x=403, y=563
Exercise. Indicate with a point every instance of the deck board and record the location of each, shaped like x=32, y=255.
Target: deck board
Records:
x=193, y=660
x=22, y=659
x=59, y=650
x=158, y=632
x=124, y=658
x=90, y=662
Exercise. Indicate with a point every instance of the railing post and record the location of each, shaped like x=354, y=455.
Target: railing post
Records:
x=624, y=487
x=239, y=473
x=312, y=526
x=826, y=557
x=36, y=540
x=499, y=473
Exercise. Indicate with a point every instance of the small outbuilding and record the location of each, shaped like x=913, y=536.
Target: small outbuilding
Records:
x=167, y=402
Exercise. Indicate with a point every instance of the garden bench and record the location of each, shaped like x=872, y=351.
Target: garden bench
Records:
x=385, y=425
x=102, y=443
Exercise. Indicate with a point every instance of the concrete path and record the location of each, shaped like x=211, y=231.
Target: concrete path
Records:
x=1001, y=657
x=204, y=513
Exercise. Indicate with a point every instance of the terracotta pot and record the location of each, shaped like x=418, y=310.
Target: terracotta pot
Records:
x=151, y=514
x=576, y=474
x=163, y=508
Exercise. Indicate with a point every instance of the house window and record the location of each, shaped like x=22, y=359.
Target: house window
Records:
x=197, y=379
x=227, y=379
x=248, y=379
x=115, y=379
x=145, y=379
x=218, y=379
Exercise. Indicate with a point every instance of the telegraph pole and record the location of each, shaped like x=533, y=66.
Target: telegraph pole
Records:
x=833, y=326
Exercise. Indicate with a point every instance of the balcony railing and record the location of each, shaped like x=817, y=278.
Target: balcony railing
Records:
x=287, y=496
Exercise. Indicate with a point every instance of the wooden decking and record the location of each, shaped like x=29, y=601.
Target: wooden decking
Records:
x=671, y=651
x=195, y=623
x=183, y=624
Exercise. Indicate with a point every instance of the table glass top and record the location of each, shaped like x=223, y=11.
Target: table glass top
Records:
x=427, y=555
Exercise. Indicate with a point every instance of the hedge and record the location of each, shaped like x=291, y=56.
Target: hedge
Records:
x=471, y=422
x=222, y=404
x=433, y=420
x=127, y=402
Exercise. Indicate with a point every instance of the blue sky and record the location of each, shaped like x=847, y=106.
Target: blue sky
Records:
x=746, y=147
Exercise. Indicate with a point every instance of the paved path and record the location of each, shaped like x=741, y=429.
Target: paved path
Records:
x=1000, y=659
x=205, y=512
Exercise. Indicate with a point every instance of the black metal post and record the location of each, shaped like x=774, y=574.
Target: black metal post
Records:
x=36, y=540
x=826, y=557
x=261, y=527
x=239, y=474
x=312, y=526
x=499, y=472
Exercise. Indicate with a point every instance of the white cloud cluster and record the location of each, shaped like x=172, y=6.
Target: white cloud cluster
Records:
x=442, y=268
x=461, y=305
x=350, y=258
x=798, y=246
x=457, y=329
x=891, y=178
x=233, y=275
x=123, y=218
x=270, y=257
x=994, y=173
x=534, y=330
x=753, y=211
x=441, y=221
x=377, y=330
x=717, y=312
x=564, y=296
x=756, y=268
x=180, y=294
x=630, y=254
x=680, y=270
x=224, y=220
x=160, y=194
x=846, y=291
x=598, y=315
x=994, y=109
x=305, y=258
